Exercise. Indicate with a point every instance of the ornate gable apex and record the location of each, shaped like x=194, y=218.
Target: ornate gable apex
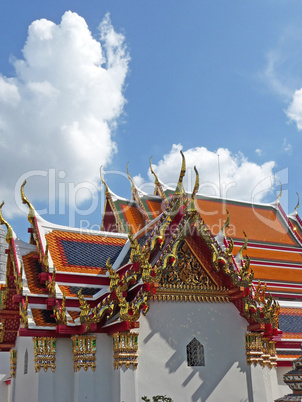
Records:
x=188, y=280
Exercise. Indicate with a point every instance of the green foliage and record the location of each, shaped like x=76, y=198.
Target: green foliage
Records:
x=157, y=398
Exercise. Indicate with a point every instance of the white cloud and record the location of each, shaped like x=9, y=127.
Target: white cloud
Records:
x=259, y=151
x=294, y=111
x=288, y=148
x=274, y=76
x=61, y=106
x=239, y=178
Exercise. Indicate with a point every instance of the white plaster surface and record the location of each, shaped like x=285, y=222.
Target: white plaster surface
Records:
x=162, y=364
x=162, y=370
x=25, y=386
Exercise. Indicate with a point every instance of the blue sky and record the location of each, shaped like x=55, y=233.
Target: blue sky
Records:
x=201, y=74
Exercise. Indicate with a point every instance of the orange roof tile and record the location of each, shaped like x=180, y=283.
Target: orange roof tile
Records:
x=42, y=318
x=261, y=224
x=83, y=253
x=133, y=217
x=282, y=274
x=271, y=255
x=32, y=269
x=155, y=207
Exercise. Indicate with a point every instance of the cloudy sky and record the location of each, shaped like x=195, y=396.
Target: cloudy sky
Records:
x=85, y=84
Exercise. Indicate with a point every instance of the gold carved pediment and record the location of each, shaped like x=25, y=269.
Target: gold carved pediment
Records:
x=188, y=281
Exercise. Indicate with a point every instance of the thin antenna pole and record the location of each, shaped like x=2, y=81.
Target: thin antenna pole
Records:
x=219, y=176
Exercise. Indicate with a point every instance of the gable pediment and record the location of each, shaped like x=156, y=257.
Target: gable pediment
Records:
x=188, y=280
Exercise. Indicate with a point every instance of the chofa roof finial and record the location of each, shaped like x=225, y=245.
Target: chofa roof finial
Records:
x=130, y=178
x=31, y=213
x=103, y=181
x=279, y=196
x=154, y=174
x=192, y=207
x=10, y=233
x=179, y=188
x=298, y=204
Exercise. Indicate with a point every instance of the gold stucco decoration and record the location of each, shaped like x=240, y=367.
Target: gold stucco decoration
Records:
x=83, y=349
x=260, y=350
x=125, y=347
x=13, y=362
x=23, y=313
x=45, y=353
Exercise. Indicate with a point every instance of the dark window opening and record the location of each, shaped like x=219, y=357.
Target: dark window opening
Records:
x=195, y=353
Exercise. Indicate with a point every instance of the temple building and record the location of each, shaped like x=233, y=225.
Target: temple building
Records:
x=193, y=297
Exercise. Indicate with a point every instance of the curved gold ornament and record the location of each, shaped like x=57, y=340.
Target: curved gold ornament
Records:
x=84, y=307
x=179, y=188
x=60, y=312
x=280, y=194
x=192, y=207
x=23, y=313
x=157, y=240
x=45, y=259
x=154, y=174
x=298, y=204
x=130, y=178
x=244, y=247
x=20, y=280
x=103, y=181
x=10, y=232
x=31, y=213
x=51, y=286
x=226, y=223
x=113, y=276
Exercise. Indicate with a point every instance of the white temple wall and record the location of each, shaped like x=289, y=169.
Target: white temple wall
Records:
x=25, y=385
x=162, y=364
x=97, y=385
x=4, y=392
x=63, y=375
x=283, y=388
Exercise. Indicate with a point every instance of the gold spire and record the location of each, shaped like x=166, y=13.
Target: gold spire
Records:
x=244, y=247
x=154, y=174
x=297, y=206
x=279, y=196
x=158, y=190
x=130, y=178
x=103, y=181
x=10, y=233
x=192, y=207
x=136, y=198
x=31, y=213
x=45, y=259
x=179, y=188
x=226, y=223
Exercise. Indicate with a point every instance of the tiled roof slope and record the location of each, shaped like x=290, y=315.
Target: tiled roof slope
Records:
x=73, y=274
x=274, y=250
x=83, y=253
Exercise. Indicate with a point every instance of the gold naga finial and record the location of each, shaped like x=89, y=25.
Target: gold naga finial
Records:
x=179, y=188
x=154, y=174
x=298, y=204
x=226, y=223
x=10, y=232
x=20, y=280
x=52, y=284
x=23, y=313
x=31, y=213
x=244, y=246
x=103, y=181
x=130, y=178
x=192, y=207
x=279, y=196
x=45, y=258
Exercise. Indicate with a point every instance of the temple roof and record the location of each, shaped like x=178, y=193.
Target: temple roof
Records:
x=76, y=280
